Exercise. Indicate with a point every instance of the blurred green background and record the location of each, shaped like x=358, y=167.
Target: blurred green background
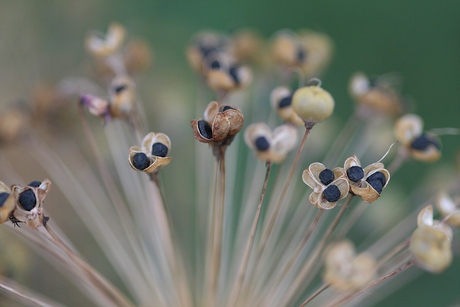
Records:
x=43, y=41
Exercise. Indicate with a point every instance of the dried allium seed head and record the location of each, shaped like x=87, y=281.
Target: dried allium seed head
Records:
x=281, y=100
x=122, y=96
x=99, y=45
x=346, y=271
x=270, y=146
x=313, y=104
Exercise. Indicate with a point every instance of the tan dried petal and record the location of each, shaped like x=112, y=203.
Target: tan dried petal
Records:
x=447, y=207
x=407, y=128
x=344, y=188
x=365, y=191
x=153, y=138
x=220, y=127
x=100, y=46
x=236, y=119
x=196, y=131
x=444, y=228
x=314, y=198
x=4, y=188
x=431, y=249
x=152, y=166
x=311, y=175
x=220, y=80
x=425, y=217
x=284, y=139
x=211, y=111
x=430, y=154
x=351, y=161
x=255, y=131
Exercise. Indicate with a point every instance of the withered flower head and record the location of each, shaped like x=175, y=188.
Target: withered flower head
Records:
x=367, y=183
x=222, y=72
x=271, y=146
x=313, y=104
x=29, y=202
x=346, y=271
x=421, y=146
x=99, y=45
x=281, y=100
x=328, y=186
x=448, y=209
x=220, y=124
x=7, y=203
x=430, y=243
x=152, y=155
x=379, y=97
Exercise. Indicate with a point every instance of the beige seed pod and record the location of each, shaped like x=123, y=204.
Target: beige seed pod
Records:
x=122, y=96
x=99, y=45
x=448, y=208
x=344, y=270
x=29, y=203
x=138, y=56
x=281, y=101
x=7, y=203
x=319, y=49
x=246, y=45
x=285, y=48
x=313, y=104
x=156, y=147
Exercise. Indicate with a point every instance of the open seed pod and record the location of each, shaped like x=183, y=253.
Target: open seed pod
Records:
x=329, y=186
x=246, y=45
x=344, y=270
x=222, y=72
x=29, y=202
x=152, y=155
x=269, y=146
x=367, y=183
x=318, y=49
x=122, y=96
x=422, y=146
x=380, y=98
x=99, y=45
x=313, y=104
x=202, y=46
x=7, y=202
x=281, y=100
x=447, y=207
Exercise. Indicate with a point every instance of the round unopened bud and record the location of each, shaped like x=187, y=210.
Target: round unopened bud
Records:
x=313, y=104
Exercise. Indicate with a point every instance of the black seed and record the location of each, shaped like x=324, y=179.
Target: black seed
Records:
x=227, y=108
x=27, y=200
x=159, y=150
x=34, y=184
x=326, y=176
x=332, y=193
x=422, y=142
x=376, y=184
x=119, y=88
x=377, y=176
x=233, y=71
x=3, y=197
x=215, y=64
x=205, y=129
x=141, y=161
x=301, y=54
x=262, y=143
x=355, y=173
x=285, y=102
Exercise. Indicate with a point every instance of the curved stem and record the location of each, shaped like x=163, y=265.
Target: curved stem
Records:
x=315, y=294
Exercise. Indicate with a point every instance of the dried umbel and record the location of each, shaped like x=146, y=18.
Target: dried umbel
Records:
x=367, y=183
x=448, y=209
x=421, y=146
x=223, y=74
x=99, y=45
x=152, y=155
x=430, y=243
x=344, y=270
x=29, y=202
x=379, y=97
x=313, y=104
x=329, y=186
x=271, y=146
x=281, y=100
x=7, y=203
x=220, y=125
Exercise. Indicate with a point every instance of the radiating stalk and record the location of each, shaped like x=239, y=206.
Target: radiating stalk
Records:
x=315, y=294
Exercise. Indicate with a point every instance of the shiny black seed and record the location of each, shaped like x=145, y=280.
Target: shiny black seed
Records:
x=301, y=55
x=262, y=143
x=326, y=176
x=376, y=184
x=119, y=88
x=159, y=150
x=285, y=102
x=34, y=184
x=141, y=161
x=27, y=200
x=227, y=108
x=215, y=64
x=422, y=142
x=332, y=193
x=233, y=71
x=377, y=176
x=355, y=173
x=3, y=197
x=205, y=129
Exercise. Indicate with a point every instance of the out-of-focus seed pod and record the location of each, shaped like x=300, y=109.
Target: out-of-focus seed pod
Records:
x=99, y=45
x=313, y=104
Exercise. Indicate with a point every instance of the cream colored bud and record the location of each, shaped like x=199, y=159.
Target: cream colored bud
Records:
x=313, y=104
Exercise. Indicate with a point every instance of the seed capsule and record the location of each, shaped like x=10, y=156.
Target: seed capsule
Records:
x=332, y=193
x=326, y=176
x=355, y=173
x=313, y=104
x=205, y=129
x=141, y=161
x=159, y=150
x=262, y=143
x=27, y=200
x=422, y=142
